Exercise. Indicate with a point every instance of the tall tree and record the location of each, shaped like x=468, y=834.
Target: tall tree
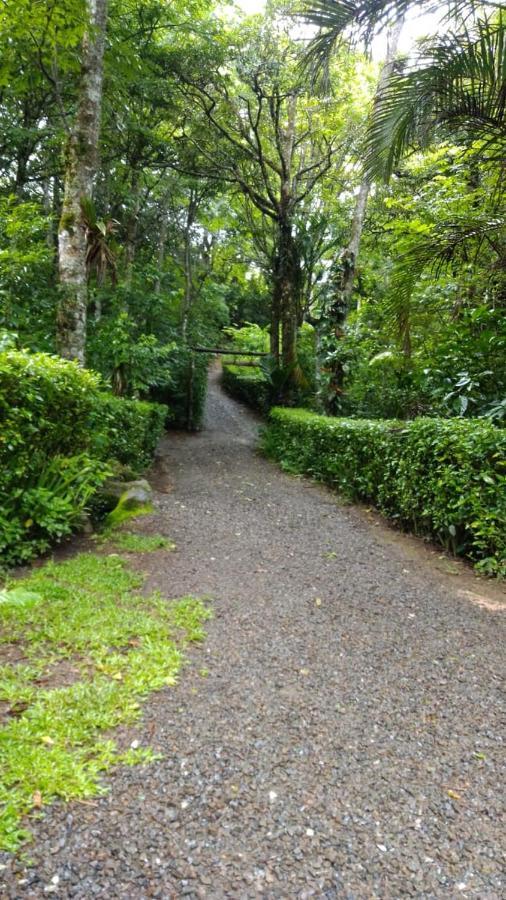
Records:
x=267, y=140
x=80, y=173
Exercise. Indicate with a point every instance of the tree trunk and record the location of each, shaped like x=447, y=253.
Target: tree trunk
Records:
x=160, y=251
x=287, y=294
x=80, y=171
x=132, y=226
x=289, y=275
x=187, y=263
x=187, y=297
x=275, y=335
x=357, y=225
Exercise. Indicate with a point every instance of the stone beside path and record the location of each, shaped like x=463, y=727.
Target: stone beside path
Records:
x=339, y=734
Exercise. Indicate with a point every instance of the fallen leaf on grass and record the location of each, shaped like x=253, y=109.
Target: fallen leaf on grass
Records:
x=37, y=800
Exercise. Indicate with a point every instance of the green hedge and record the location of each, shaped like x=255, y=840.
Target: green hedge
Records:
x=445, y=478
x=248, y=385
x=127, y=430
x=183, y=366
x=47, y=473
x=57, y=432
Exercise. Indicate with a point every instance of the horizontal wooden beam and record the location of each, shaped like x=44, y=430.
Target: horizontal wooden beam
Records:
x=246, y=363
x=227, y=352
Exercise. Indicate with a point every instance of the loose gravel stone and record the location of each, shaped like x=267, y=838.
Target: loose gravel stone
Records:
x=348, y=748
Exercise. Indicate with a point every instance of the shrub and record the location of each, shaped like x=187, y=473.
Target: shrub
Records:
x=186, y=389
x=48, y=470
x=127, y=430
x=45, y=402
x=57, y=433
x=248, y=385
x=442, y=478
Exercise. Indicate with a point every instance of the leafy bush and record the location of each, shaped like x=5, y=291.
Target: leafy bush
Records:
x=45, y=402
x=442, y=478
x=130, y=362
x=57, y=433
x=26, y=272
x=127, y=430
x=186, y=388
x=250, y=337
x=249, y=385
x=48, y=470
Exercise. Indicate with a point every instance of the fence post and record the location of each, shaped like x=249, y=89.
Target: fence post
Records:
x=189, y=394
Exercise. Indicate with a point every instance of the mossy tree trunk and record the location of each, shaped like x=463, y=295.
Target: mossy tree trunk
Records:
x=80, y=172
x=191, y=214
x=289, y=283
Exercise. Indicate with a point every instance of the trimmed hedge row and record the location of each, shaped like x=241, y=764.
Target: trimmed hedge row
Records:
x=248, y=385
x=127, y=430
x=444, y=478
x=57, y=433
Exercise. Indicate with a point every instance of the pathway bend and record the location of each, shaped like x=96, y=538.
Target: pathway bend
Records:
x=339, y=734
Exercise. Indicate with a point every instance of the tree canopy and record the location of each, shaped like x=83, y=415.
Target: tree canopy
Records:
x=167, y=171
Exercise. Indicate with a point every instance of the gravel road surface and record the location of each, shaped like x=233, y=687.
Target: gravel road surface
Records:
x=339, y=734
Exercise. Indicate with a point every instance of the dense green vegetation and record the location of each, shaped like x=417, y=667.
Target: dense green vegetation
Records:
x=176, y=176
x=61, y=438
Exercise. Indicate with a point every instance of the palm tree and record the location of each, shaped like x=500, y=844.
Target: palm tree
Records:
x=457, y=82
x=363, y=18
x=455, y=89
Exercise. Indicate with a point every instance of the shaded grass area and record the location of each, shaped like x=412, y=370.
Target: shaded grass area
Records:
x=129, y=542
x=80, y=648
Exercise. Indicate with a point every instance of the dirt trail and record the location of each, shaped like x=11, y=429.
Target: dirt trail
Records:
x=339, y=734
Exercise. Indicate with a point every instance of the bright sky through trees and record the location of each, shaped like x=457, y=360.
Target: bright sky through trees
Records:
x=417, y=26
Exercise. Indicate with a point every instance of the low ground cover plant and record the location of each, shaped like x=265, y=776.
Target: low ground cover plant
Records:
x=128, y=542
x=80, y=648
x=444, y=478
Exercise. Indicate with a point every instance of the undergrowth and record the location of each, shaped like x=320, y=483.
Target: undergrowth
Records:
x=89, y=647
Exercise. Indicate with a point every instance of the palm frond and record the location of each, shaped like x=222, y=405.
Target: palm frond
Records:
x=456, y=85
x=459, y=240
x=361, y=19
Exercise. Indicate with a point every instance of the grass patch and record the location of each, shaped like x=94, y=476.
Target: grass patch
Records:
x=121, y=645
x=139, y=543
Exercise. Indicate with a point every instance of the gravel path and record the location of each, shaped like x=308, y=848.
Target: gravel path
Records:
x=337, y=736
